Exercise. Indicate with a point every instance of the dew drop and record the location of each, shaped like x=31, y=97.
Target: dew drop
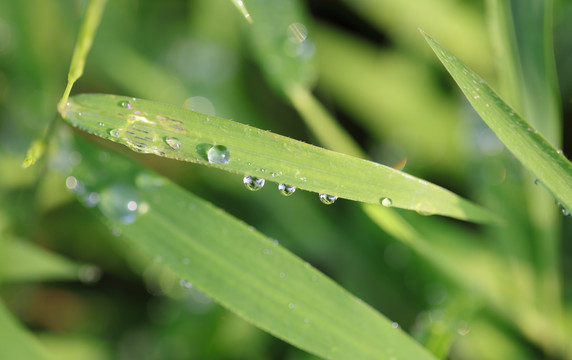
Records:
x=292, y=306
x=286, y=190
x=126, y=105
x=119, y=202
x=328, y=199
x=297, y=32
x=91, y=200
x=101, y=124
x=115, y=133
x=253, y=183
x=89, y=274
x=565, y=211
x=218, y=154
x=394, y=325
x=386, y=202
x=174, y=143
x=186, y=284
x=463, y=328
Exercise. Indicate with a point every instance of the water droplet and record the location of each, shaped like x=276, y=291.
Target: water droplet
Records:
x=267, y=251
x=297, y=32
x=314, y=278
x=71, y=182
x=120, y=202
x=328, y=199
x=186, y=261
x=174, y=143
x=565, y=211
x=394, y=325
x=253, y=183
x=424, y=209
x=218, y=154
x=282, y=275
x=91, y=200
x=89, y=274
x=126, y=105
x=200, y=104
x=386, y=202
x=306, y=320
x=101, y=124
x=115, y=133
x=560, y=152
x=286, y=190
x=292, y=306
x=186, y=284
x=463, y=328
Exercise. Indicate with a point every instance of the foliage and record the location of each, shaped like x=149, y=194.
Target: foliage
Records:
x=127, y=252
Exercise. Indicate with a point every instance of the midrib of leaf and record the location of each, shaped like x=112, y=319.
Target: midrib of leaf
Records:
x=548, y=164
x=262, y=154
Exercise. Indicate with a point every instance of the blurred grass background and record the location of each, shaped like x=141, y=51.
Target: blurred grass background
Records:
x=376, y=74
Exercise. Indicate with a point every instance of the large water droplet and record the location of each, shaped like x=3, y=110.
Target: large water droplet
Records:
x=386, y=202
x=253, y=183
x=286, y=190
x=174, y=143
x=218, y=154
x=120, y=202
x=126, y=105
x=328, y=199
x=200, y=104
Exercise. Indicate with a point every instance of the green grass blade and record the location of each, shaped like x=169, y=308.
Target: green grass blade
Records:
x=85, y=38
x=23, y=261
x=89, y=26
x=547, y=163
x=180, y=134
x=15, y=341
x=240, y=6
x=236, y=265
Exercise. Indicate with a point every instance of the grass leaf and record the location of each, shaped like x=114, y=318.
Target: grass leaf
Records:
x=547, y=163
x=23, y=261
x=238, y=266
x=177, y=133
x=15, y=341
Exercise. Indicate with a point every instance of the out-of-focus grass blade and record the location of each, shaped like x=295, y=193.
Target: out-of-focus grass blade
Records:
x=177, y=133
x=89, y=26
x=240, y=6
x=547, y=163
x=236, y=265
x=85, y=38
x=446, y=19
x=23, y=261
x=280, y=44
x=15, y=341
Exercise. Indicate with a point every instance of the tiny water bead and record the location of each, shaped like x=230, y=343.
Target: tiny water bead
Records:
x=218, y=154
x=253, y=183
x=328, y=199
x=386, y=202
x=174, y=143
x=126, y=105
x=394, y=325
x=286, y=190
x=186, y=284
x=120, y=202
x=115, y=133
